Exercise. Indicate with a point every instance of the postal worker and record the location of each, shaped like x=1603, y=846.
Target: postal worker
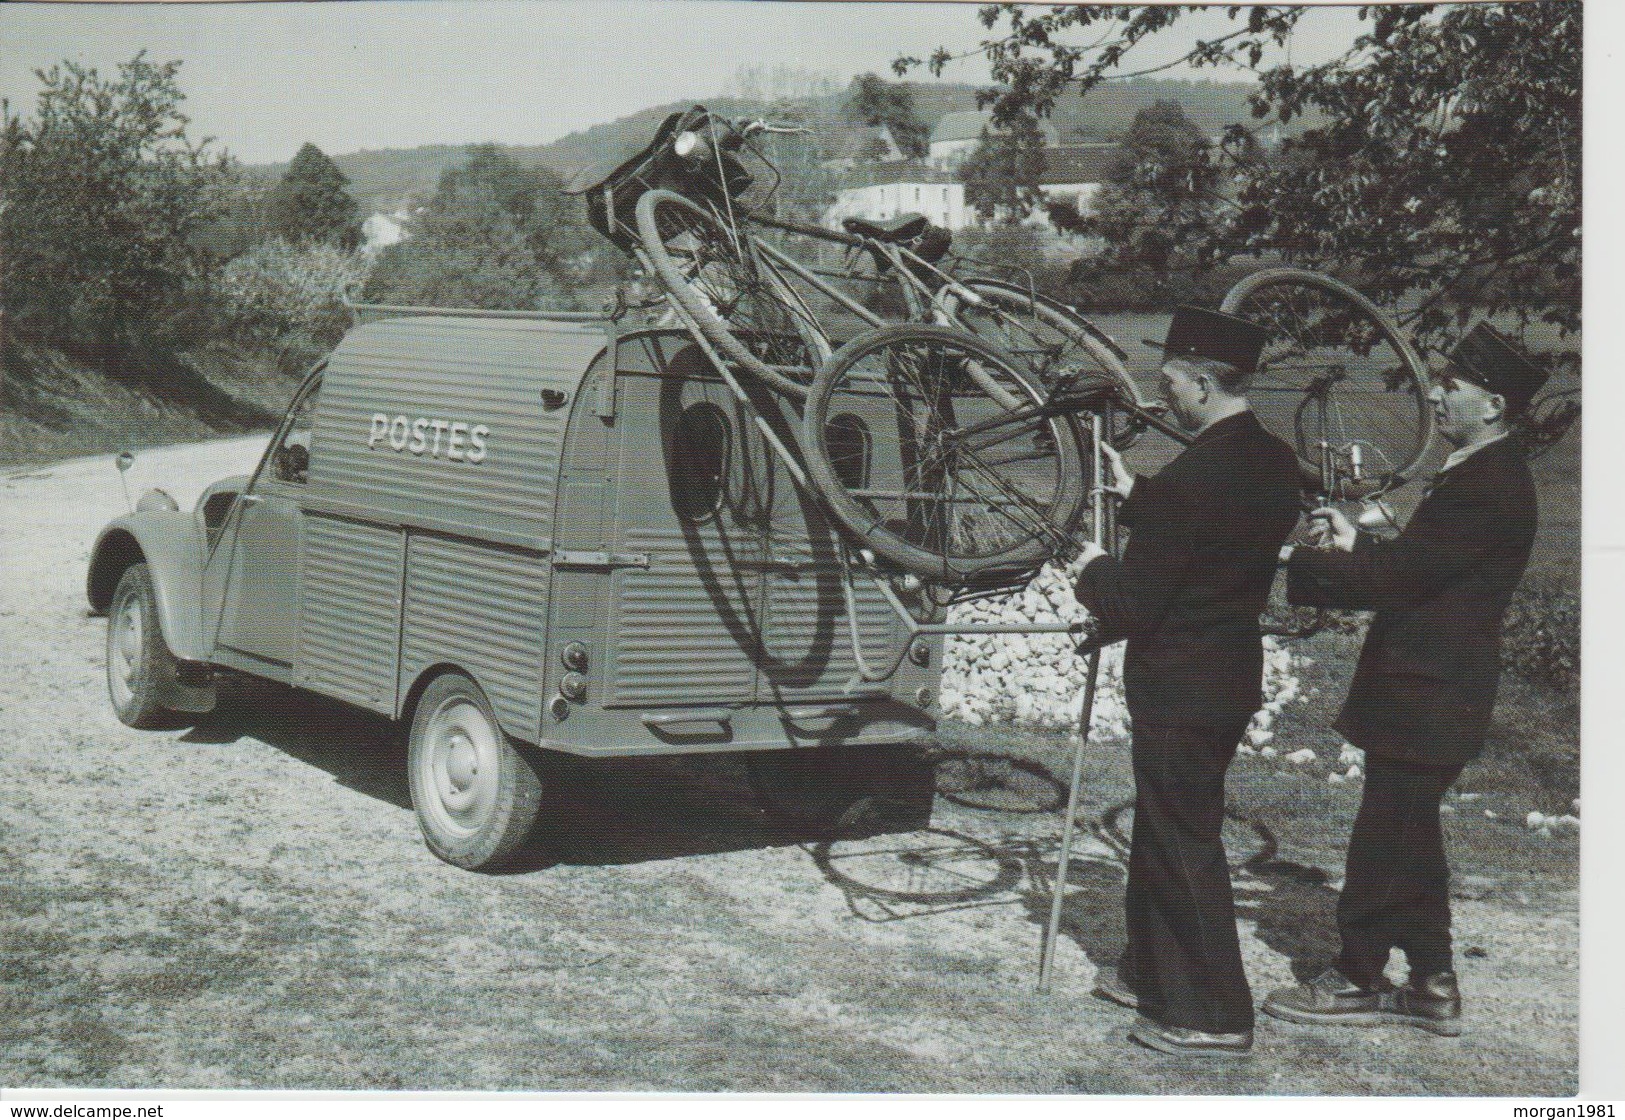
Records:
x=1205, y=533
x=1422, y=692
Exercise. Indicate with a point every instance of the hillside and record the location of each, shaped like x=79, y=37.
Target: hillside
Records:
x=385, y=179
x=56, y=405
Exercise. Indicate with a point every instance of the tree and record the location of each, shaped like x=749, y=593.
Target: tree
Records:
x=1441, y=170
x=495, y=235
x=106, y=201
x=873, y=101
x=1001, y=173
x=310, y=204
x=1160, y=194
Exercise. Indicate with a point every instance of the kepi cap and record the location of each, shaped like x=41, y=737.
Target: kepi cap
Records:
x=1199, y=332
x=1488, y=359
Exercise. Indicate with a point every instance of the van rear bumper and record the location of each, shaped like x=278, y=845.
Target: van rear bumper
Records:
x=614, y=733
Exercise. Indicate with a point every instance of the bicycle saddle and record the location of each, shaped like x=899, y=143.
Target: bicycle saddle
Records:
x=624, y=156
x=904, y=227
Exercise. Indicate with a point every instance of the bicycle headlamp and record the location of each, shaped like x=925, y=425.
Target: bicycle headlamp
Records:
x=691, y=146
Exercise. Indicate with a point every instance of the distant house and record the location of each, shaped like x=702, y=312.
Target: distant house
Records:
x=1072, y=176
x=867, y=144
x=958, y=133
x=903, y=188
x=380, y=231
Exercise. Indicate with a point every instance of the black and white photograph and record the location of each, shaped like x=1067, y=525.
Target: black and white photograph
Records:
x=728, y=547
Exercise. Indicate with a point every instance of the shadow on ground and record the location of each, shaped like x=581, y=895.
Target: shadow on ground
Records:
x=607, y=811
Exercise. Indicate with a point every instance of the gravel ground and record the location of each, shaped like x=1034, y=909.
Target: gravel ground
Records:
x=247, y=904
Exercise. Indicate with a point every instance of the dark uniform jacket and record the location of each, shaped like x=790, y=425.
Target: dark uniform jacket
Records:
x=1425, y=683
x=1205, y=535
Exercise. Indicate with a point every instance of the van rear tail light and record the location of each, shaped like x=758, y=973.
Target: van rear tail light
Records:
x=574, y=687
x=920, y=652
x=575, y=657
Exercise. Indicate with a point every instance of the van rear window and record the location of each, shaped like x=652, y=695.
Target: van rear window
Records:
x=699, y=461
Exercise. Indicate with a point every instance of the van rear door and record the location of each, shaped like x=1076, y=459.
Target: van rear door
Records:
x=689, y=496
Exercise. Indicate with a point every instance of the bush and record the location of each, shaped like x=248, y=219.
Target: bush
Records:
x=1541, y=637
x=291, y=297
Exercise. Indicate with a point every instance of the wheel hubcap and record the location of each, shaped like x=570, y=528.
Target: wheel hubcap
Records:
x=462, y=760
x=124, y=649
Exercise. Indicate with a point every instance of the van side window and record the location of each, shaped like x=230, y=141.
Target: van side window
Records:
x=847, y=438
x=698, y=461
x=292, y=463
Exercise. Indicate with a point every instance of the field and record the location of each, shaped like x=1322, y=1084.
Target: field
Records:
x=246, y=903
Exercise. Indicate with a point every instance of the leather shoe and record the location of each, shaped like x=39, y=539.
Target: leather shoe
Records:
x=1330, y=997
x=1184, y=1040
x=1110, y=985
x=1432, y=1003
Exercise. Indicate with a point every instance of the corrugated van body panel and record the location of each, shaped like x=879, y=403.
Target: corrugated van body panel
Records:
x=349, y=612
x=483, y=609
x=807, y=638
x=808, y=641
x=493, y=464
x=685, y=632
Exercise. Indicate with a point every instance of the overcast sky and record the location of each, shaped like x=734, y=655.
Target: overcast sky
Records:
x=264, y=78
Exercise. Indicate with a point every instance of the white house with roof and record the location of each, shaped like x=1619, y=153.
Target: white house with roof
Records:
x=958, y=133
x=1072, y=177
x=869, y=144
x=380, y=231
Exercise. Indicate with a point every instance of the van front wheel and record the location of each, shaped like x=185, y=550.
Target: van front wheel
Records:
x=139, y=663
x=475, y=795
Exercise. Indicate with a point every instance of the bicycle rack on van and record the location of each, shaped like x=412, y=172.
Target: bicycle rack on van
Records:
x=1083, y=631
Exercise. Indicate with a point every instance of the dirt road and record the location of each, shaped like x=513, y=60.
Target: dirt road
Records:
x=247, y=904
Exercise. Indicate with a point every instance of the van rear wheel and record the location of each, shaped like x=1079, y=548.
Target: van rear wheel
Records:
x=475, y=795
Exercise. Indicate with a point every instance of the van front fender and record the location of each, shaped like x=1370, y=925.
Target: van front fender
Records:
x=169, y=543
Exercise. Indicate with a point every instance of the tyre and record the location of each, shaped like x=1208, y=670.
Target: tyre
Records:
x=739, y=306
x=1048, y=338
x=475, y=795
x=807, y=787
x=1338, y=378
x=928, y=867
x=1248, y=841
x=140, y=666
x=934, y=450
x=998, y=783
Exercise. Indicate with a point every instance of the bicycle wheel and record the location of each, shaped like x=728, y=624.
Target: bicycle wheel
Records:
x=930, y=867
x=1248, y=841
x=1336, y=373
x=998, y=783
x=1050, y=339
x=739, y=307
x=932, y=448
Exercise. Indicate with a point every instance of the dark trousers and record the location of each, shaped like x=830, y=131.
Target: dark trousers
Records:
x=1396, y=891
x=1183, y=957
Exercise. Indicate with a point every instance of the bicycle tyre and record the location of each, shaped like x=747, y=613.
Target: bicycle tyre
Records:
x=1319, y=322
x=723, y=293
x=939, y=388
x=1052, y=339
x=937, y=867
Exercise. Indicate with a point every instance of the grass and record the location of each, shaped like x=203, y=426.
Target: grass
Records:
x=53, y=406
x=1530, y=762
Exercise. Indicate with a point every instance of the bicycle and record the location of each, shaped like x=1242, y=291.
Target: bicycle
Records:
x=988, y=384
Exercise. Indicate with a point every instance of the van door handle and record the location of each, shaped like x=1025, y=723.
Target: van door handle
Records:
x=251, y=499
x=690, y=717
x=807, y=712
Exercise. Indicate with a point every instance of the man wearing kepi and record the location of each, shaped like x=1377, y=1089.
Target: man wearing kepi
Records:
x=1205, y=534
x=1424, y=687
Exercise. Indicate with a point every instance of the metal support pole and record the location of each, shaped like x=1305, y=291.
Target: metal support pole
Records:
x=1058, y=890
x=1085, y=719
